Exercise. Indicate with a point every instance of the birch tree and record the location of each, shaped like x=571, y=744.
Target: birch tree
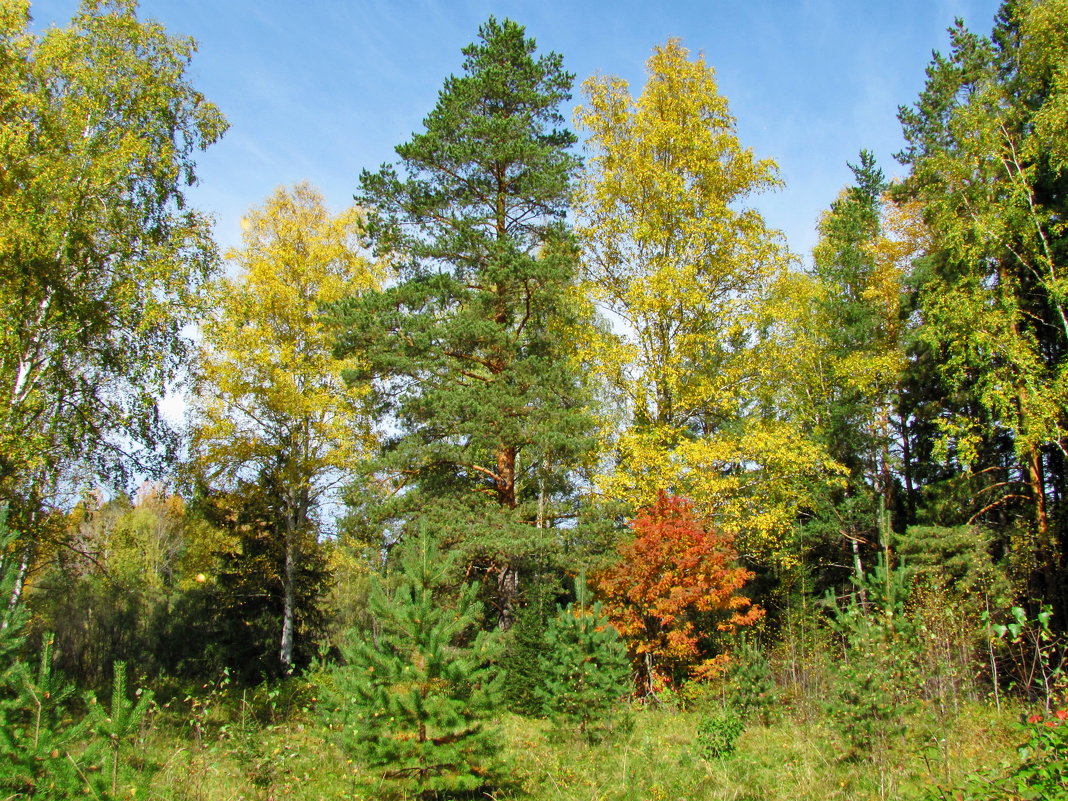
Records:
x=684, y=270
x=101, y=258
x=271, y=406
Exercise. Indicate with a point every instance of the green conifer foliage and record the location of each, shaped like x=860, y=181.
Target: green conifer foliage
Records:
x=36, y=732
x=39, y=735
x=117, y=726
x=415, y=692
x=876, y=682
x=471, y=350
x=525, y=643
x=585, y=669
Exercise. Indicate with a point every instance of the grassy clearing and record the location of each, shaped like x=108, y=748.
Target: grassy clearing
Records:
x=225, y=755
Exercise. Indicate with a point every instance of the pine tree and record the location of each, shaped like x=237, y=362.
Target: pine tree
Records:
x=35, y=729
x=116, y=725
x=470, y=349
x=414, y=694
x=585, y=669
x=857, y=358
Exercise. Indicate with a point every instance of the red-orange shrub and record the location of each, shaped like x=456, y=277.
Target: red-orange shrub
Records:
x=674, y=593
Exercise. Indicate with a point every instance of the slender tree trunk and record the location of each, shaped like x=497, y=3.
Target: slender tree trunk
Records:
x=289, y=603
x=296, y=519
x=542, y=495
x=1048, y=556
x=507, y=595
x=906, y=470
x=25, y=559
x=507, y=574
x=858, y=568
x=1038, y=491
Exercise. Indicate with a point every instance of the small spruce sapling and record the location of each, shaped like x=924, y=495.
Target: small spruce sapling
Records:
x=414, y=694
x=585, y=668
x=876, y=682
x=521, y=661
x=751, y=687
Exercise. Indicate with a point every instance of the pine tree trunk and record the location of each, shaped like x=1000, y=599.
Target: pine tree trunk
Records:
x=506, y=476
x=508, y=574
x=1038, y=491
x=507, y=595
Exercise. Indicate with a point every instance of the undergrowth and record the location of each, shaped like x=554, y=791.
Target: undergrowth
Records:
x=241, y=757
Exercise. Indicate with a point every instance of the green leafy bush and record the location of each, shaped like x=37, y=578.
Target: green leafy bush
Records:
x=717, y=734
x=1043, y=771
x=1040, y=775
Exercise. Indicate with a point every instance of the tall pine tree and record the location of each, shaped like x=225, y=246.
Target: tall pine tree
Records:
x=469, y=348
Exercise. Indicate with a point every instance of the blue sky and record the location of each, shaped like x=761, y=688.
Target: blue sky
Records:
x=320, y=89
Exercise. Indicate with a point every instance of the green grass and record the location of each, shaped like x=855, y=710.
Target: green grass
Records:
x=228, y=756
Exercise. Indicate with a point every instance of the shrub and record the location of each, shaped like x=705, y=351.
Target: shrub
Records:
x=1040, y=775
x=675, y=594
x=1043, y=771
x=717, y=734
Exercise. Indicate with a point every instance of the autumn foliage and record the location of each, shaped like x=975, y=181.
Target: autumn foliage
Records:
x=674, y=593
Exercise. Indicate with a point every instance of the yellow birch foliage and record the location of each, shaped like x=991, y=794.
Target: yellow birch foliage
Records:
x=270, y=394
x=683, y=271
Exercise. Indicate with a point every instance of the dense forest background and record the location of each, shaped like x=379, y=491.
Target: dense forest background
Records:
x=535, y=447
